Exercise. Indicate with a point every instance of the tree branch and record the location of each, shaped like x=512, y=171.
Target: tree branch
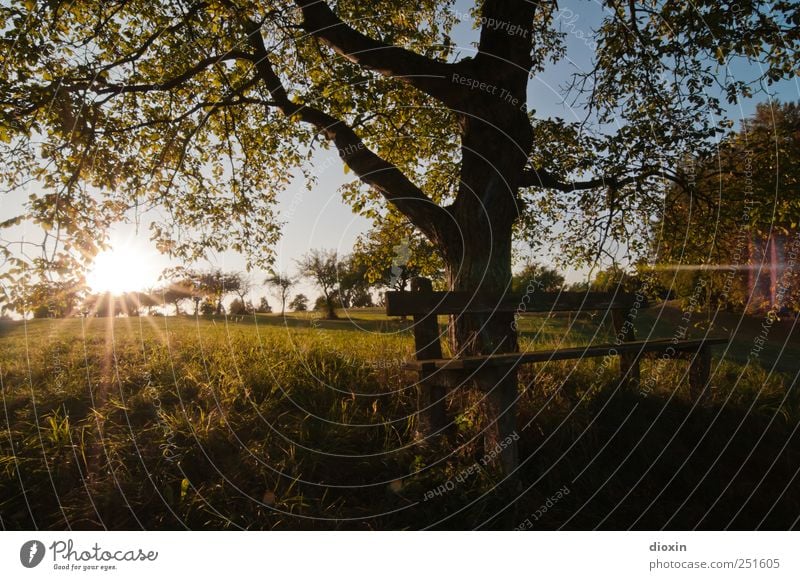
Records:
x=429, y=76
x=170, y=84
x=546, y=180
x=373, y=170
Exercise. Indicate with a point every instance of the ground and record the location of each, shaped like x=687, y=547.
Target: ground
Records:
x=297, y=423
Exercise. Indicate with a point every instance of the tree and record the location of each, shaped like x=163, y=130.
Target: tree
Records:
x=52, y=299
x=214, y=285
x=299, y=303
x=242, y=288
x=322, y=268
x=537, y=278
x=354, y=285
x=103, y=305
x=393, y=252
x=209, y=307
x=239, y=308
x=136, y=302
x=263, y=306
x=175, y=293
x=320, y=303
x=722, y=240
x=167, y=98
x=281, y=285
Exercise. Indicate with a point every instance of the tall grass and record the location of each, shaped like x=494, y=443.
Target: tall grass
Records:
x=176, y=423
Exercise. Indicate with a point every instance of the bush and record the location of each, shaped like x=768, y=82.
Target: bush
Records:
x=239, y=308
x=263, y=306
x=208, y=308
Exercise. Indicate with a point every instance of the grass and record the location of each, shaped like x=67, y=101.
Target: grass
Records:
x=296, y=423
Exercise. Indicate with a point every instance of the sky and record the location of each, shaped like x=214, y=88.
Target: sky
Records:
x=318, y=218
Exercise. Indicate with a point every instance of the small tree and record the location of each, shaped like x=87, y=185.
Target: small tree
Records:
x=243, y=287
x=321, y=267
x=537, y=277
x=215, y=285
x=320, y=303
x=50, y=299
x=240, y=308
x=103, y=305
x=614, y=278
x=208, y=307
x=263, y=306
x=174, y=293
x=299, y=303
x=280, y=284
x=393, y=252
x=354, y=283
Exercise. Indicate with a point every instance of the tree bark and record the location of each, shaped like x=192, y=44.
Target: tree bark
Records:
x=331, y=308
x=486, y=269
x=496, y=138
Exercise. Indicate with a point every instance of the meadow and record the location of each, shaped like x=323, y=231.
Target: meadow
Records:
x=264, y=422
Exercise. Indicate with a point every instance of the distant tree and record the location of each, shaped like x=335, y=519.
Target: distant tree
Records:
x=321, y=267
x=239, y=308
x=208, y=307
x=539, y=277
x=42, y=311
x=263, y=306
x=175, y=293
x=130, y=304
x=214, y=285
x=615, y=279
x=299, y=303
x=740, y=208
x=393, y=252
x=103, y=305
x=581, y=286
x=321, y=303
x=353, y=283
x=281, y=285
x=52, y=299
x=243, y=287
x=140, y=301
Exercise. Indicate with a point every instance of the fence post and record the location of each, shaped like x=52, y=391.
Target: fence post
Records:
x=431, y=387
x=699, y=373
x=628, y=361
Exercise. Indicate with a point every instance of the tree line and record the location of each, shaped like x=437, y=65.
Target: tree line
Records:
x=355, y=280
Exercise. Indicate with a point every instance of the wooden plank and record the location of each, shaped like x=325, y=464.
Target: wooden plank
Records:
x=431, y=416
x=421, y=303
x=512, y=359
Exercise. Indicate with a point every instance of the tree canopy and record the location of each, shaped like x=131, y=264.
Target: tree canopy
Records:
x=117, y=106
x=322, y=268
x=281, y=285
x=737, y=199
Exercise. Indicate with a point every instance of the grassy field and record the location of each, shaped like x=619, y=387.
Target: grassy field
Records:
x=297, y=423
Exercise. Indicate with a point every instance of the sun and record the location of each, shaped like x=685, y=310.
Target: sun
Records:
x=122, y=268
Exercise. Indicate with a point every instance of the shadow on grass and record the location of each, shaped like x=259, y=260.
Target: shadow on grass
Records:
x=626, y=462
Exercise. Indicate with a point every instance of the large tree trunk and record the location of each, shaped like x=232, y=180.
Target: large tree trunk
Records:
x=477, y=256
x=485, y=268
x=331, y=308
